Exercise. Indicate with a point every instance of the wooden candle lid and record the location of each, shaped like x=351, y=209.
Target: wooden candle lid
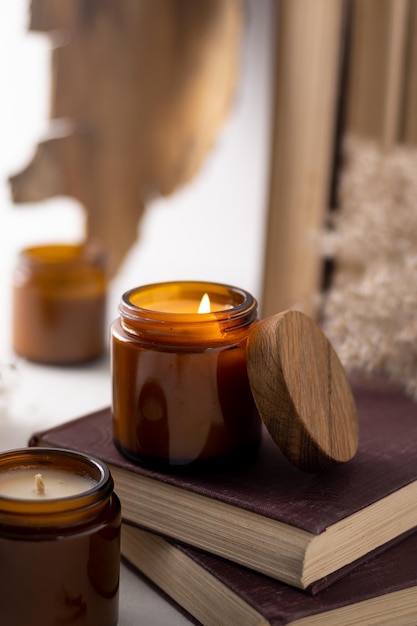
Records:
x=301, y=391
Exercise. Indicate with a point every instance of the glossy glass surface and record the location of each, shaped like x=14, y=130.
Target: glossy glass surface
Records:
x=180, y=388
x=60, y=558
x=59, y=297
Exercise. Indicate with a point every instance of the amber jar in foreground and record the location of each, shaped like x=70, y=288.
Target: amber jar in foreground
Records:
x=59, y=555
x=59, y=303
x=180, y=387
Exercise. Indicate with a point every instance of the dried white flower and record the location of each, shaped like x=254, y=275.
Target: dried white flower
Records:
x=370, y=312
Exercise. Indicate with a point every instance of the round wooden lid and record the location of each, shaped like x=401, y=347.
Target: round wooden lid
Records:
x=301, y=391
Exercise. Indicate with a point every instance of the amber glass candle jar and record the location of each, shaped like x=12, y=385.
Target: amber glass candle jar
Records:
x=59, y=303
x=59, y=540
x=180, y=387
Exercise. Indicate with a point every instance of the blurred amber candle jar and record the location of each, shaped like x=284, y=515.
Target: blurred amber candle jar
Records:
x=59, y=540
x=59, y=303
x=180, y=386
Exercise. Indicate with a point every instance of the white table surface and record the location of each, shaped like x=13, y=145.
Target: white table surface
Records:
x=34, y=397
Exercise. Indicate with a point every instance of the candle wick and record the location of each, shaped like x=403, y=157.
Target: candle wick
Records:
x=39, y=484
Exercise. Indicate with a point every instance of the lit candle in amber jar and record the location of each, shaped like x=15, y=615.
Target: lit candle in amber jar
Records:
x=180, y=388
x=59, y=539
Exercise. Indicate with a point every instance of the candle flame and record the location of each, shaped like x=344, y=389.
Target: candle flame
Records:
x=204, y=304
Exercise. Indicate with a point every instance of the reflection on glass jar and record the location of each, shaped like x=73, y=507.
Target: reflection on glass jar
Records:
x=59, y=554
x=180, y=388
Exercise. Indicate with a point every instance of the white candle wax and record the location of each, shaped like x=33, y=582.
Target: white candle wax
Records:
x=38, y=483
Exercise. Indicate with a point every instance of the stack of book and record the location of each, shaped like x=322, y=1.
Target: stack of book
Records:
x=267, y=543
